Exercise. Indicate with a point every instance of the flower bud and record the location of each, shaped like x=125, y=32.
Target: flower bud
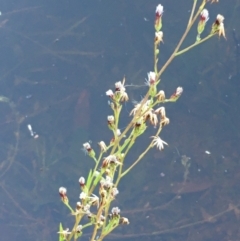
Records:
x=102, y=146
x=82, y=181
x=177, y=94
x=63, y=194
x=111, y=122
x=204, y=16
x=158, y=17
x=87, y=147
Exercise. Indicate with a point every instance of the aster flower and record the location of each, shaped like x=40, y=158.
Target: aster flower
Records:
x=158, y=142
x=151, y=79
x=160, y=96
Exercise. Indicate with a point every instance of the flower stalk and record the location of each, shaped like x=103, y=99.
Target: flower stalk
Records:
x=109, y=162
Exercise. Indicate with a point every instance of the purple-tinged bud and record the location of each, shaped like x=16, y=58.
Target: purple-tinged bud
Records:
x=87, y=147
x=82, y=181
x=63, y=194
x=177, y=94
x=158, y=17
x=204, y=16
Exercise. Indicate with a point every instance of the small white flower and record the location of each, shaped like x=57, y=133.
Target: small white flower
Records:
x=115, y=210
x=151, y=78
x=158, y=142
x=62, y=191
x=159, y=9
x=205, y=15
x=118, y=132
x=83, y=196
x=81, y=181
x=87, y=146
x=119, y=86
x=114, y=191
x=110, y=118
x=179, y=91
x=94, y=200
x=110, y=93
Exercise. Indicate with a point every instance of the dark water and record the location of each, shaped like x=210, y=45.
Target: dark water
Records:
x=57, y=59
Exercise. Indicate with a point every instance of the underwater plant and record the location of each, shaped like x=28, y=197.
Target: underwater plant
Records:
x=100, y=187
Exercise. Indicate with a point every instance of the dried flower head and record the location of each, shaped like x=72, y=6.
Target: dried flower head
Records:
x=161, y=111
x=161, y=96
x=158, y=142
x=218, y=26
x=102, y=146
x=124, y=221
x=158, y=37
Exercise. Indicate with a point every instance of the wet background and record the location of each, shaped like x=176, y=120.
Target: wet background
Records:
x=57, y=59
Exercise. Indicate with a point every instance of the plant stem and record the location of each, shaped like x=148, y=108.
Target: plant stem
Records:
x=180, y=42
x=195, y=44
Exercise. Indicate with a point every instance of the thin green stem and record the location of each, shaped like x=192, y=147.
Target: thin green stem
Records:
x=180, y=42
x=195, y=44
x=142, y=154
x=192, y=12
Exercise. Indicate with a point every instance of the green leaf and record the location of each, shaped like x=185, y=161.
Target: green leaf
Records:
x=61, y=237
x=89, y=179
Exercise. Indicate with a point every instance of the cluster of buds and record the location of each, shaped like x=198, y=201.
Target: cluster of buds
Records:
x=218, y=26
x=120, y=94
x=111, y=160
